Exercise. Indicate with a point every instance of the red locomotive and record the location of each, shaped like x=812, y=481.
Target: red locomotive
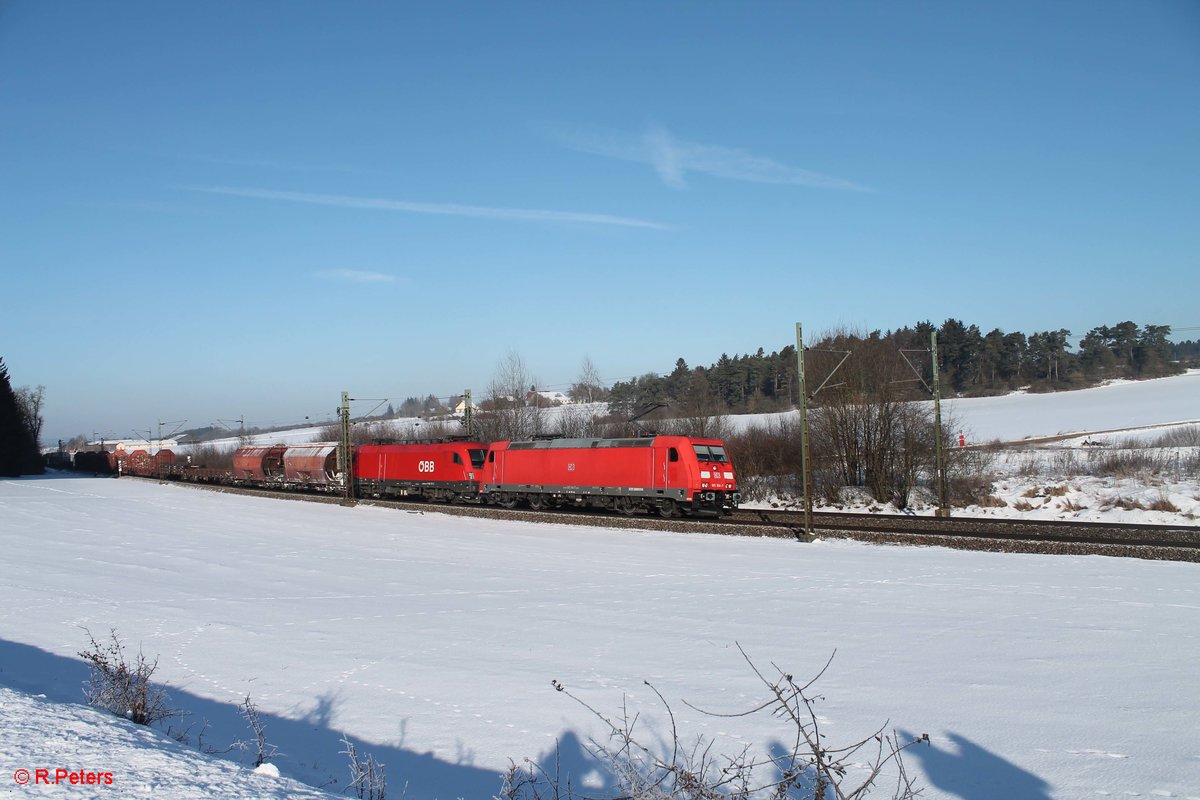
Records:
x=443, y=471
x=663, y=474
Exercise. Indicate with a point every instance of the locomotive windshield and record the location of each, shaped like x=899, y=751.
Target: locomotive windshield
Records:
x=477, y=457
x=714, y=452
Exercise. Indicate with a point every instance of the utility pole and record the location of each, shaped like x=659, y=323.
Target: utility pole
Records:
x=943, y=502
x=468, y=414
x=345, y=457
x=805, y=461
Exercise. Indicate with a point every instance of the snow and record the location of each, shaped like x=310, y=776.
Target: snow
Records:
x=1118, y=405
x=431, y=641
x=116, y=758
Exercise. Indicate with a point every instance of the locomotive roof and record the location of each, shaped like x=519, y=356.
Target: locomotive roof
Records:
x=574, y=444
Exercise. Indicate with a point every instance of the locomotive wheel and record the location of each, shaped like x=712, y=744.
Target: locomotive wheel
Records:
x=666, y=508
x=537, y=502
x=626, y=506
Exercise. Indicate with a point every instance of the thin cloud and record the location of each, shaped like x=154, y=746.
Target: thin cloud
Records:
x=673, y=158
x=445, y=209
x=355, y=276
x=288, y=166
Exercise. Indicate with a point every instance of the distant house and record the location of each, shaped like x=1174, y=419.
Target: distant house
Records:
x=543, y=398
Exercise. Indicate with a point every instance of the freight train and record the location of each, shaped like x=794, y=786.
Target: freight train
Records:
x=665, y=475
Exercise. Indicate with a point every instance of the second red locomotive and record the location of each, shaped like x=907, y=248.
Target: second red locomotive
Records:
x=660, y=474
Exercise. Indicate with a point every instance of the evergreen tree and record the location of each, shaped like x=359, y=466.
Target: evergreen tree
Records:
x=18, y=449
x=1152, y=355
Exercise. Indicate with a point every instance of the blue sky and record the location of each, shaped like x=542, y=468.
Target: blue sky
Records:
x=210, y=210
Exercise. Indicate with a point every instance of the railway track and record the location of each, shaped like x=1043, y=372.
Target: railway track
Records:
x=1157, y=542
x=1171, y=542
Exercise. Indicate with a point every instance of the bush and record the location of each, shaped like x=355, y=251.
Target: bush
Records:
x=367, y=777
x=121, y=687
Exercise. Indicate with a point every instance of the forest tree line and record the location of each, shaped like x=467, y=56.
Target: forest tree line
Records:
x=970, y=363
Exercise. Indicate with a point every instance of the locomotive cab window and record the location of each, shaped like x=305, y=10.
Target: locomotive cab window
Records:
x=457, y=459
x=673, y=455
x=710, y=453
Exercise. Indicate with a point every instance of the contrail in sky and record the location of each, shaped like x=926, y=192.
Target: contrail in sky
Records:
x=445, y=209
x=673, y=158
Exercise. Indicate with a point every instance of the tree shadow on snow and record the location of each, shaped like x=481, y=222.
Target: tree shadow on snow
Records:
x=974, y=773
x=310, y=749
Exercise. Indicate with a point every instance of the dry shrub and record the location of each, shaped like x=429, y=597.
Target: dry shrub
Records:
x=991, y=501
x=1022, y=505
x=1127, y=463
x=1127, y=503
x=121, y=684
x=1030, y=466
x=1163, y=503
x=210, y=456
x=1180, y=437
x=1073, y=505
x=1066, y=462
x=1047, y=491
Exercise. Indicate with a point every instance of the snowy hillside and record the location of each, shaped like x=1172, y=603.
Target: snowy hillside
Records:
x=1117, y=406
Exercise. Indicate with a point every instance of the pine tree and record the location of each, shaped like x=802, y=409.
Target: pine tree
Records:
x=18, y=449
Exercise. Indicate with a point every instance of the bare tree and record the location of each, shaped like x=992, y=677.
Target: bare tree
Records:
x=588, y=387
x=866, y=426
x=508, y=414
x=576, y=422
x=30, y=402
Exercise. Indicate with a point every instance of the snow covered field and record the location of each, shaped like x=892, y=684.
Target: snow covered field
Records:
x=431, y=642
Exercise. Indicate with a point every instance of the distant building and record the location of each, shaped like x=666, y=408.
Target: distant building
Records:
x=543, y=398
